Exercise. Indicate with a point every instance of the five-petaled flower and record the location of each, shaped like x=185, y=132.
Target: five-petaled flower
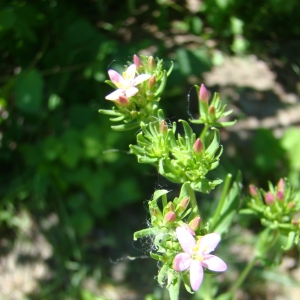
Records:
x=197, y=255
x=126, y=83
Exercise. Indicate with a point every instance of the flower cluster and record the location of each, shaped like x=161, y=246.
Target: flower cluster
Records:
x=277, y=208
x=181, y=159
x=178, y=227
x=211, y=113
x=137, y=92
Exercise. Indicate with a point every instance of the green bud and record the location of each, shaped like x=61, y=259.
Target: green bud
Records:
x=195, y=223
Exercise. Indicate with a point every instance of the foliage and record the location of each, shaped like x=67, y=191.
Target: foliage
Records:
x=59, y=157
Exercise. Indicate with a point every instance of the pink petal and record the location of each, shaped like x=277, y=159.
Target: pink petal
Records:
x=214, y=263
x=130, y=72
x=116, y=78
x=209, y=242
x=182, y=261
x=196, y=274
x=139, y=79
x=115, y=95
x=131, y=91
x=186, y=240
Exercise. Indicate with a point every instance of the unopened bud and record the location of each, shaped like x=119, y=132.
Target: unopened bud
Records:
x=269, y=198
x=151, y=63
x=195, y=223
x=211, y=110
x=189, y=229
x=291, y=205
x=123, y=100
x=163, y=127
x=170, y=217
x=203, y=93
x=182, y=205
x=252, y=190
x=156, y=212
x=198, y=146
x=151, y=81
x=169, y=207
x=280, y=184
x=280, y=195
x=295, y=222
x=137, y=61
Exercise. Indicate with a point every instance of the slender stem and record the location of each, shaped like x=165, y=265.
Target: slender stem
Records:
x=222, y=201
x=203, y=133
x=243, y=276
x=195, y=209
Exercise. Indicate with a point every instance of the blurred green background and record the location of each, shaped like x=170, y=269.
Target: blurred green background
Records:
x=71, y=194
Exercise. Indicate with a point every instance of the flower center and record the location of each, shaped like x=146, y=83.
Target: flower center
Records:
x=197, y=255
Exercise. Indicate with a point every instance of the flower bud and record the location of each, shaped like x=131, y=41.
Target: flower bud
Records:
x=203, y=94
x=137, y=61
x=280, y=195
x=170, y=217
x=211, y=110
x=151, y=82
x=295, y=222
x=163, y=127
x=195, y=223
x=169, y=207
x=182, y=205
x=187, y=227
x=151, y=63
x=269, y=198
x=123, y=100
x=280, y=185
x=253, y=190
x=156, y=212
x=198, y=146
x=291, y=205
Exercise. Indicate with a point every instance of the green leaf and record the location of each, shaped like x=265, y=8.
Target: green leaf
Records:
x=228, y=208
x=173, y=285
x=125, y=127
x=143, y=233
x=290, y=242
x=28, y=90
x=82, y=222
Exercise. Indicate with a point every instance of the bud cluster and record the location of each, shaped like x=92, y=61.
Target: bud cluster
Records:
x=210, y=113
x=164, y=221
x=137, y=92
x=181, y=159
x=278, y=208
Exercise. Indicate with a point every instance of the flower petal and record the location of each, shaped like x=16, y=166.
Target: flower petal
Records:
x=186, y=240
x=130, y=72
x=139, y=79
x=214, y=263
x=116, y=78
x=131, y=91
x=182, y=261
x=196, y=274
x=209, y=242
x=115, y=95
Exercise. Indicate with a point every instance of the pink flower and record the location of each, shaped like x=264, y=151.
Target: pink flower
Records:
x=126, y=83
x=196, y=255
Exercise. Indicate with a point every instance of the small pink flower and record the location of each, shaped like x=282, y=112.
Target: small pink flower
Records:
x=126, y=83
x=196, y=255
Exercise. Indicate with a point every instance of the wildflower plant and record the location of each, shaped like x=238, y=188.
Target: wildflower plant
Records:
x=182, y=242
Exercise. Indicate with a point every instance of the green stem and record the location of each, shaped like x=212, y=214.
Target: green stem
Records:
x=221, y=202
x=195, y=209
x=243, y=276
x=203, y=133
